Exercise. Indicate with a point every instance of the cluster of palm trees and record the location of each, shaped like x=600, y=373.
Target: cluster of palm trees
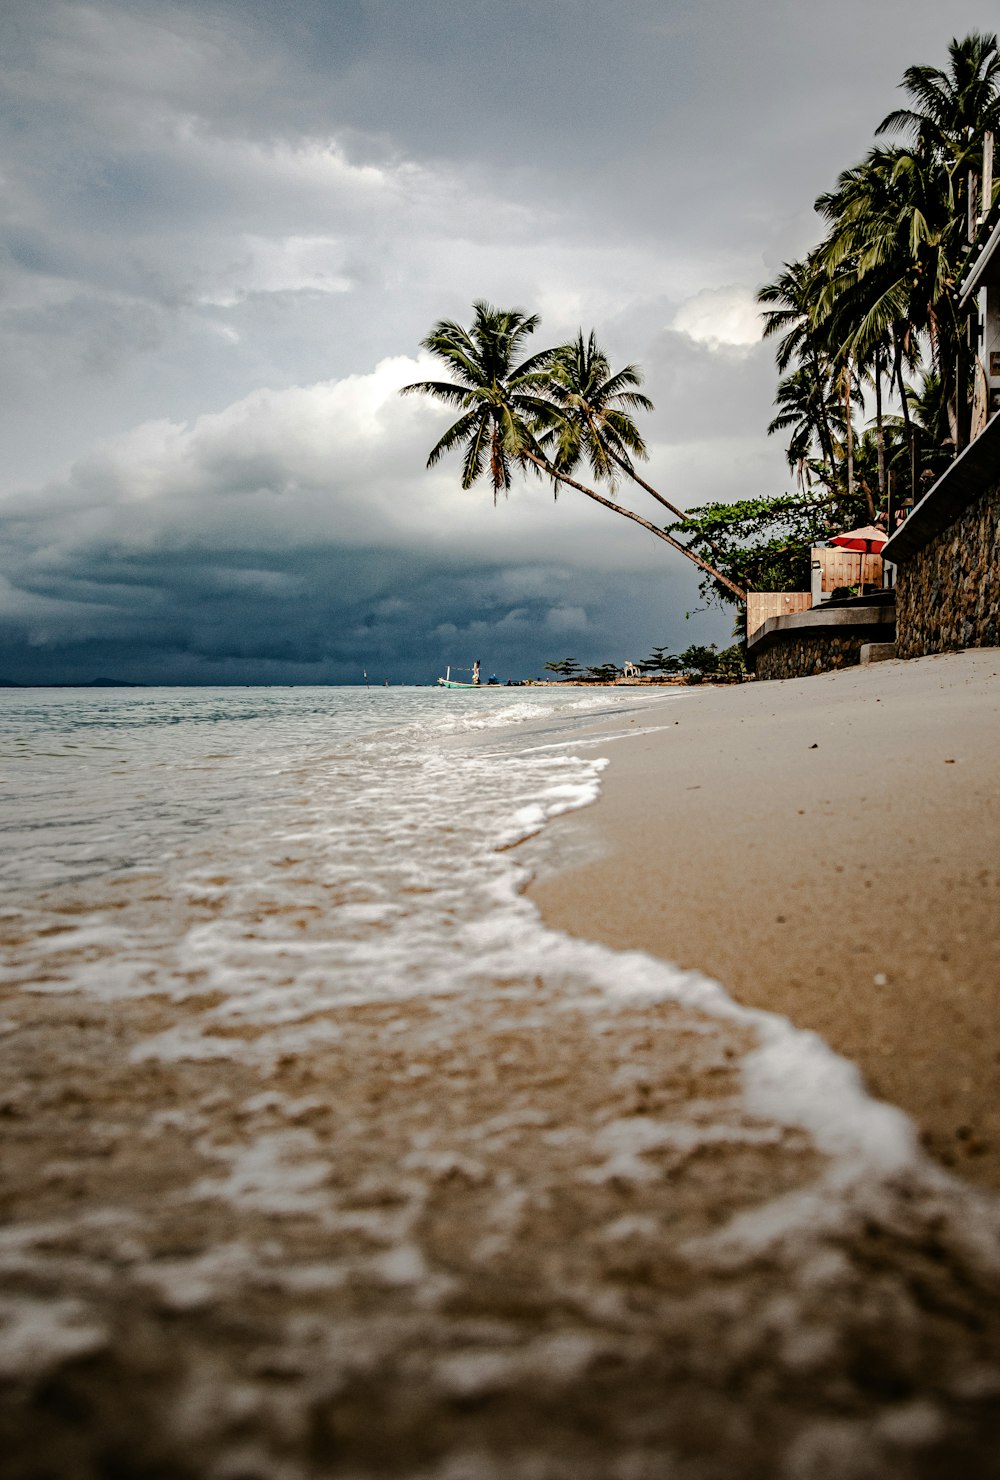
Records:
x=561, y=413
x=870, y=309
x=871, y=313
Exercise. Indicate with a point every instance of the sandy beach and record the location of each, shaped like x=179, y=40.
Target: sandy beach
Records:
x=827, y=848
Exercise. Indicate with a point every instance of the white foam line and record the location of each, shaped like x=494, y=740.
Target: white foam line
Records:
x=603, y=739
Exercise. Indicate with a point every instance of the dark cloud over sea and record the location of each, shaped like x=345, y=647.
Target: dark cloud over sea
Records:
x=227, y=227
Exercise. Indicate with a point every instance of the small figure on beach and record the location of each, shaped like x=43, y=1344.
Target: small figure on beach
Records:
x=475, y=671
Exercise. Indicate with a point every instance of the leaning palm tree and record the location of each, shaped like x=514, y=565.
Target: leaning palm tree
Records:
x=511, y=416
x=596, y=424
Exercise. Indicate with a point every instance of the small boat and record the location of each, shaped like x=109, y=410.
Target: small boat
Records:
x=456, y=683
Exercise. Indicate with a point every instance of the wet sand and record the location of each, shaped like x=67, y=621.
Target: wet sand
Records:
x=489, y=1238
x=828, y=848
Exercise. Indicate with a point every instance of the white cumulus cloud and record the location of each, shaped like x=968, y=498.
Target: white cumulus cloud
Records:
x=720, y=318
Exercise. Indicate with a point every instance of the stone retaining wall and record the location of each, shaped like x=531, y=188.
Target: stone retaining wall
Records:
x=819, y=640
x=817, y=652
x=948, y=592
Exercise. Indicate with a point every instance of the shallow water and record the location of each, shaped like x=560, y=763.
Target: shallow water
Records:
x=322, y=846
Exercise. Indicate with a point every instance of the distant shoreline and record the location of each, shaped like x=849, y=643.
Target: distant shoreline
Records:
x=523, y=683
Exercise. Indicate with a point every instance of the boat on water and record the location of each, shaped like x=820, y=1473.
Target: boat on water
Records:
x=457, y=683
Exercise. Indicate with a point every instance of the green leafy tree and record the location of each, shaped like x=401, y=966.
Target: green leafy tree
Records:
x=564, y=667
x=767, y=540
x=700, y=662
x=732, y=661
x=700, y=659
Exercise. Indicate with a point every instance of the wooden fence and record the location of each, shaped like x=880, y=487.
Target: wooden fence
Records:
x=843, y=568
x=764, y=604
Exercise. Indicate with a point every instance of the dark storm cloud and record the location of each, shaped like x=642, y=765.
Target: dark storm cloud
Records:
x=326, y=615
x=224, y=219
x=297, y=531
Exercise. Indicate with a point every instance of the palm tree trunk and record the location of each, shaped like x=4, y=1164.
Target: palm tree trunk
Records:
x=661, y=534
x=825, y=434
x=648, y=487
x=911, y=440
x=850, y=429
x=879, y=429
x=965, y=354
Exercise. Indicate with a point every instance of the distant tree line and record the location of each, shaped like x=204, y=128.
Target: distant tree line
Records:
x=695, y=663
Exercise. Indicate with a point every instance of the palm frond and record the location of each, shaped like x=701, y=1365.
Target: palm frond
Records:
x=475, y=454
x=453, y=395
x=455, y=434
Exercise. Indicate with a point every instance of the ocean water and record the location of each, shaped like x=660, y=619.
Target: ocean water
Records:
x=360, y=811
x=248, y=877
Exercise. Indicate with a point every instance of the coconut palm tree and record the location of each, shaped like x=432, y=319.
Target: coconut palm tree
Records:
x=951, y=110
x=864, y=305
x=898, y=227
x=511, y=414
x=791, y=306
x=500, y=399
x=931, y=420
x=809, y=412
x=890, y=256
x=876, y=301
x=596, y=423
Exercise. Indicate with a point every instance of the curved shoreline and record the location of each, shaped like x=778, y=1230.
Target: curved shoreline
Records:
x=826, y=848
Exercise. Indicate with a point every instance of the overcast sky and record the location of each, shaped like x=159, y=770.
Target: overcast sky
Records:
x=227, y=226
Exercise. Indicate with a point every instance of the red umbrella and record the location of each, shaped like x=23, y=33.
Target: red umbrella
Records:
x=867, y=540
